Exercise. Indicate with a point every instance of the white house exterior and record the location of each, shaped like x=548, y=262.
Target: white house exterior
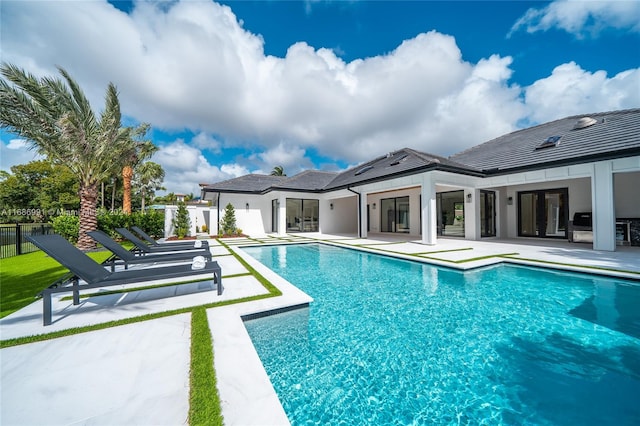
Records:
x=527, y=184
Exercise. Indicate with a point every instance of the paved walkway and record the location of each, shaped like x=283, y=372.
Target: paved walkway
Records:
x=139, y=373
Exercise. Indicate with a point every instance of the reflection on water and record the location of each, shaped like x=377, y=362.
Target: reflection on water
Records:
x=612, y=305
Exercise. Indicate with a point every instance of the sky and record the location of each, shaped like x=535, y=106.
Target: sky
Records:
x=237, y=87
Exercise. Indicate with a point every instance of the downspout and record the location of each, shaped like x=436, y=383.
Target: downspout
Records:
x=218, y=223
x=359, y=212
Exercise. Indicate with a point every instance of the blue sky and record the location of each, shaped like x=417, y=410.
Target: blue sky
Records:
x=238, y=87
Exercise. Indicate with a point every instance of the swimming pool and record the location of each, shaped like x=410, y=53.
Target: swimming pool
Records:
x=388, y=341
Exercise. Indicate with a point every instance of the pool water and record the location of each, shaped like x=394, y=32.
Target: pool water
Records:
x=394, y=342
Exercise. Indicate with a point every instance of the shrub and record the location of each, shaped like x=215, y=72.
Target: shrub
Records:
x=228, y=223
x=108, y=221
x=151, y=222
x=181, y=221
x=204, y=228
x=68, y=226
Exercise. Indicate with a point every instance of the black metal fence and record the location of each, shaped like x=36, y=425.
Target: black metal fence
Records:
x=13, y=241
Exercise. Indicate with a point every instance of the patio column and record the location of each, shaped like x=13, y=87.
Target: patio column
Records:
x=362, y=217
x=604, y=211
x=428, y=210
x=282, y=214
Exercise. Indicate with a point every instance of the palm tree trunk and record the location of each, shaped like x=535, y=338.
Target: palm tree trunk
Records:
x=127, y=174
x=88, y=216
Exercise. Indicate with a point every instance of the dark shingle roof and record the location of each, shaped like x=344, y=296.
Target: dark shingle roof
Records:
x=614, y=134
x=309, y=180
x=401, y=162
x=248, y=183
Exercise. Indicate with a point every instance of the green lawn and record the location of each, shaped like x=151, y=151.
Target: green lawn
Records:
x=23, y=277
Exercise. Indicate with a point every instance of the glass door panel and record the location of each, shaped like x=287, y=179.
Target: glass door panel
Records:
x=487, y=213
x=543, y=213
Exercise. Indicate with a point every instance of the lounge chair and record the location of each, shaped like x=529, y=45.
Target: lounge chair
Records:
x=145, y=248
x=153, y=242
x=126, y=257
x=96, y=276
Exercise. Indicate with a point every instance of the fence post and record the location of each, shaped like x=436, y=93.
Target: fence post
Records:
x=18, y=239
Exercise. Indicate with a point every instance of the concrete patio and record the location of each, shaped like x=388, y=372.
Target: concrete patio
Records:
x=139, y=373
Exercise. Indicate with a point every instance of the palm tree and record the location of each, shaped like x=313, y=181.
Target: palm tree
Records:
x=138, y=151
x=56, y=119
x=278, y=171
x=149, y=179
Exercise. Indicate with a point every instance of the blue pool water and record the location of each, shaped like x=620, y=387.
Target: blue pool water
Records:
x=393, y=342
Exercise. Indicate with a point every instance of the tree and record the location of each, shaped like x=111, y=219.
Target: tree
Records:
x=181, y=222
x=137, y=151
x=278, y=171
x=38, y=190
x=149, y=179
x=56, y=119
x=228, y=223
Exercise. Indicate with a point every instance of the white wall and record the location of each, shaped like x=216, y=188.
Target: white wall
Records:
x=198, y=216
x=342, y=219
x=255, y=220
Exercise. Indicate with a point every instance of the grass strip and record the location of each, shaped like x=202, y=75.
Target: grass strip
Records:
x=423, y=253
x=204, y=400
x=573, y=265
x=150, y=287
x=388, y=243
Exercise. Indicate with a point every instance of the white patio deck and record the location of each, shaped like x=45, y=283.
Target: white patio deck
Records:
x=139, y=373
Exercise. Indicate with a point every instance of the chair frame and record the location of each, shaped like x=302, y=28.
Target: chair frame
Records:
x=96, y=276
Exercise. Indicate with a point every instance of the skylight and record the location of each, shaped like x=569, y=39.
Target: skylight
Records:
x=550, y=142
x=363, y=170
x=396, y=162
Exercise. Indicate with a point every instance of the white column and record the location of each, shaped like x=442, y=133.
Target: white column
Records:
x=428, y=210
x=363, y=215
x=472, y=214
x=282, y=214
x=604, y=211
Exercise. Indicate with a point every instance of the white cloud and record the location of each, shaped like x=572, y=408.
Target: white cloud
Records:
x=191, y=65
x=185, y=167
x=571, y=90
x=582, y=17
x=16, y=151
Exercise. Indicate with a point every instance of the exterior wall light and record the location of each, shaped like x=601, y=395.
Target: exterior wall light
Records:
x=331, y=206
x=469, y=197
x=374, y=206
x=247, y=206
x=510, y=201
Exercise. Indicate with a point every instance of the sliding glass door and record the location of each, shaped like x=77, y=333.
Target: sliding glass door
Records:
x=543, y=213
x=394, y=214
x=302, y=215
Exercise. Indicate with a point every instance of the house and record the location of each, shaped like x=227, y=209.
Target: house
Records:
x=530, y=183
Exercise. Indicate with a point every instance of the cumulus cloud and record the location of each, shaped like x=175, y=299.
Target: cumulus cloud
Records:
x=16, y=151
x=582, y=18
x=571, y=90
x=191, y=65
x=185, y=167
